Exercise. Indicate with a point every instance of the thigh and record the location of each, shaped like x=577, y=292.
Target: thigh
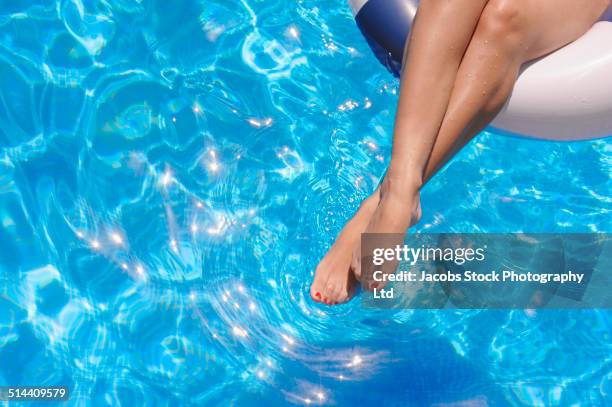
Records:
x=555, y=23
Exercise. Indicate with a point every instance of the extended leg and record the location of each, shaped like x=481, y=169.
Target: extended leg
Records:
x=440, y=36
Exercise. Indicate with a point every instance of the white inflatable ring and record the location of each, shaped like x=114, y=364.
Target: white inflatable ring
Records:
x=566, y=95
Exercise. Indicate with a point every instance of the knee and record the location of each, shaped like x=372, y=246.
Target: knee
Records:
x=504, y=21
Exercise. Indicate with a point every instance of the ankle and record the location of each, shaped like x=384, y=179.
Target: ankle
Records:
x=401, y=184
x=406, y=172
x=405, y=205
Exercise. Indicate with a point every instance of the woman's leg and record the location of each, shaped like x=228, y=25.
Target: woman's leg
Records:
x=509, y=33
x=440, y=36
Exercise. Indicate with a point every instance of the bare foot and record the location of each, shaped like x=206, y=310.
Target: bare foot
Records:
x=334, y=282
x=398, y=209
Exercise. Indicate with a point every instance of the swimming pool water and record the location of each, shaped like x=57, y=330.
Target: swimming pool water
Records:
x=172, y=171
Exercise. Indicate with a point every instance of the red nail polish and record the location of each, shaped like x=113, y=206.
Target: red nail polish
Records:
x=318, y=294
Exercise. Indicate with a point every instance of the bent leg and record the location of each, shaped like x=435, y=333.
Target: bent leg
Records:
x=509, y=33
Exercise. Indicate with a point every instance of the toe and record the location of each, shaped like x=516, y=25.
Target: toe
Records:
x=315, y=294
x=342, y=298
x=328, y=294
x=315, y=291
x=336, y=291
x=333, y=291
x=318, y=284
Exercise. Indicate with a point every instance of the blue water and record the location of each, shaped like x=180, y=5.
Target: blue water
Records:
x=170, y=174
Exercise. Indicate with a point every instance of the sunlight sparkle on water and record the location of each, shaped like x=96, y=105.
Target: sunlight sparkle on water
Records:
x=196, y=108
x=257, y=123
x=348, y=105
x=213, y=164
x=240, y=332
x=288, y=339
x=293, y=32
x=166, y=177
x=356, y=361
x=116, y=238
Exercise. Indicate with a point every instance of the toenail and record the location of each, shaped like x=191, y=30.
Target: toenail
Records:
x=317, y=294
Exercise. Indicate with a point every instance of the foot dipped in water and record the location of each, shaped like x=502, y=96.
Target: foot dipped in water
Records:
x=398, y=209
x=334, y=281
